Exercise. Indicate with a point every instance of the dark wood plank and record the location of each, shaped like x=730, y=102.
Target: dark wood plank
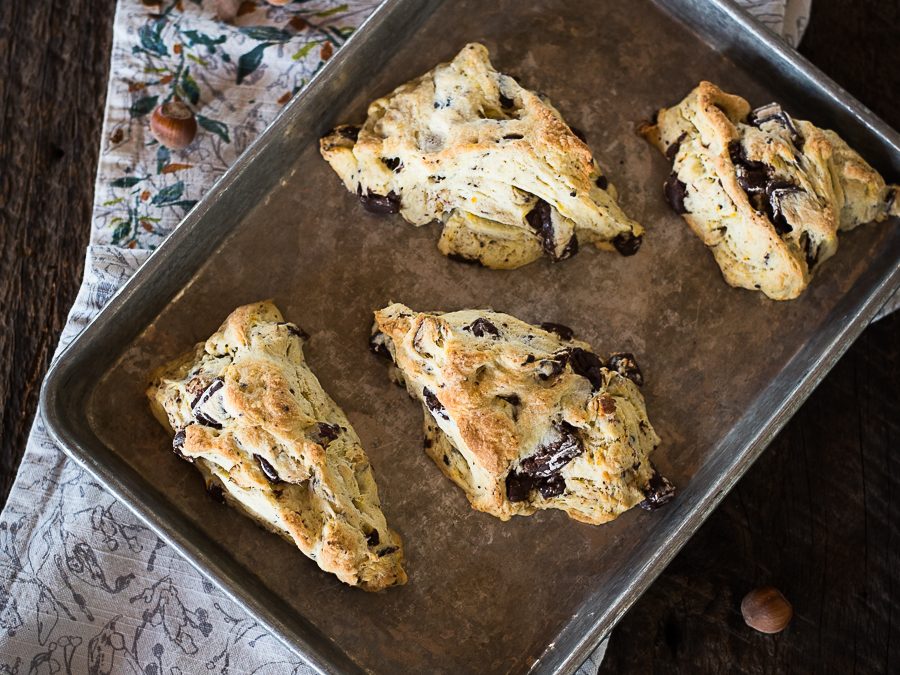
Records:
x=54, y=66
x=818, y=515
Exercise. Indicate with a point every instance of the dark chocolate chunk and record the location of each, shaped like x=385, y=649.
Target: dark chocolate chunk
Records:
x=547, y=369
x=672, y=150
x=569, y=249
x=518, y=486
x=295, y=330
x=178, y=444
x=393, y=163
x=776, y=192
x=513, y=137
x=506, y=101
x=446, y=460
x=380, y=204
x=378, y=345
x=890, y=198
x=372, y=539
x=387, y=550
x=810, y=250
x=675, y=192
x=202, y=398
x=481, y=327
x=325, y=433
x=561, y=448
x=578, y=133
x=348, y=131
x=216, y=493
x=659, y=491
x=588, y=365
x=627, y=244
x=463, y=259
x=773, y=112
x=552, y=486
x=626, y=365
x=267, y=469
x=602, y=182
x=433, y=404
x=540, y=220
x=564, y=332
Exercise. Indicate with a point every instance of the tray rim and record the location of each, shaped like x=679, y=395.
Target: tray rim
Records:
x=328, y=658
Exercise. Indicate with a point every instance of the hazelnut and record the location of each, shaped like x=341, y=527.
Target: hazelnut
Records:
x=766, y=610
x=226, y=10
x=173, y=124
x=279, y=3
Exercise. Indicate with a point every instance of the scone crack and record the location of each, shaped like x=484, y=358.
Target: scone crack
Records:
x=250, y=415
x=522, y=417
x=767, y=193
x=493, y=162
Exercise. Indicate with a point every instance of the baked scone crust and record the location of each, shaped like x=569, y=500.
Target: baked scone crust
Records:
x=765, y=192
x=251, y=416
x=494, y=162
x=523, y=419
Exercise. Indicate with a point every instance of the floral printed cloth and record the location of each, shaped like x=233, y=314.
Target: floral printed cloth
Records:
x=85, y=587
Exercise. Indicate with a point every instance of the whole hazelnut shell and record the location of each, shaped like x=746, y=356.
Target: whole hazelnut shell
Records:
x=766, y=610
x=173, y=124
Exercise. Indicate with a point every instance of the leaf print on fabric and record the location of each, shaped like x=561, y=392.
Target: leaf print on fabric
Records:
x=266, y=33
x=162, y=606
x=125, y=181
x=143, y=106
x=151, y=40
x=10, y=619
x=107, y=653
x=189, y=88
x=82, y=562
x=249, y=62
x=218, y=128
x=169, y=194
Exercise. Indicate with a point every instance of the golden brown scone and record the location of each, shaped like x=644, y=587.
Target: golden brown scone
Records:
x=525, y=418
x=250, y=415
x=494, y=162
x=765, y=192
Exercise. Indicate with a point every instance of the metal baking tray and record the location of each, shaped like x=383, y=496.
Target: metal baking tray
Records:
x=725, y=368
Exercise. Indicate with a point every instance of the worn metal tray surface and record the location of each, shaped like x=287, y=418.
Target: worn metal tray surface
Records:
x=725, y=368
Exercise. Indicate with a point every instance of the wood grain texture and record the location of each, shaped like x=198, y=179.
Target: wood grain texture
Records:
x=54, y=65
x=818, y=516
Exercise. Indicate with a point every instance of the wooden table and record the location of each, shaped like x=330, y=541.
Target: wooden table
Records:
x=818, y=516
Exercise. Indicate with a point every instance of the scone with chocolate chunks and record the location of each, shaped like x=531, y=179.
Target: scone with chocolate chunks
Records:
x=247, y=411
x=494, y=162
x=525, y=418
x=765, y=192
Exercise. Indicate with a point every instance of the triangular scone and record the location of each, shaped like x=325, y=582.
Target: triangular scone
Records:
x=494, y=162
x=525, y=418
x=765, y=192
x=248, y=412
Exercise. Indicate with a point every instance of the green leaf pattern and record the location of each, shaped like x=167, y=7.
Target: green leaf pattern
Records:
x=234, y=76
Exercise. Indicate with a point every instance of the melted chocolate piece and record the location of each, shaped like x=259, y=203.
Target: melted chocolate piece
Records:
x=348, y=131
x=205, y=395
x=325, y=433
x=540, y=220
x=267, y=469
x=810, y=250
x=578, y=133
x=625, y=364
x=178, y=444
x=563, y=332
x=552, y=486
x=602, y=182
x=673, y=149
x=433, y=404
x=393, y=163
x=513, y=137
x=549, y=368
x=659, y=491
x=675, y=192
x=569, y=249
x=555, y=454
x=378, y=345
x=372, y=539
x=518, y=486
x=387, y=550
x=380, y=204
x=774, y=112
x=777, y=191
x=481, y=327
x=506, y=101
x=294, y=330
x=588, y=365
x=627, y=244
